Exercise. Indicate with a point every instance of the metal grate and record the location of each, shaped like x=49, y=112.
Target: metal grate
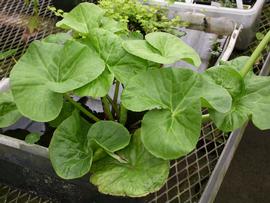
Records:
x=13, y=195
x=14, y=18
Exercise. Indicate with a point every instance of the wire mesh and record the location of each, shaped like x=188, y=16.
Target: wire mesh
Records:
x=12, y=195
x=14, y=24
x=188, y=175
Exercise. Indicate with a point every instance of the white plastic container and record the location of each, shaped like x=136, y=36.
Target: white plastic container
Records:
x=205, y=15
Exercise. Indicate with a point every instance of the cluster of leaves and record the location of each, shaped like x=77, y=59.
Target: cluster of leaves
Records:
x=56, y=12
x=124, y=161
x=140, y=17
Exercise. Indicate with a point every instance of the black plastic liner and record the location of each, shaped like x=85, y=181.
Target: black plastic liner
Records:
x=31, y=172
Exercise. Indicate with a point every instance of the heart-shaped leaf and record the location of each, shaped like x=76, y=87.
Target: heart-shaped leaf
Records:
x=46, y=71
x=69, y=152
x=109, y=135
x=9, y=113
x=143, y=174
x=175, y=94
x=171, y=136
x=164, y=48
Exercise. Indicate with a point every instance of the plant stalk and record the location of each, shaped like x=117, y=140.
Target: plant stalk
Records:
x=123, y=115
x=106, y=107
x=116, y=92
x=134, y=125
x=205, y=118
x=115, y=107
x=82, y=109
x=252, y=59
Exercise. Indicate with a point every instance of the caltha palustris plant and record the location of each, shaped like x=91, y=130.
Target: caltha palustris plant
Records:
x=127, y=158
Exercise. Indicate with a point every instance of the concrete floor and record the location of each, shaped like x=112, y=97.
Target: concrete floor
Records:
x=248, y=177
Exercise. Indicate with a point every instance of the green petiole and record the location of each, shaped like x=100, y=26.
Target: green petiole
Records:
x=82, y=109
x=251, y=61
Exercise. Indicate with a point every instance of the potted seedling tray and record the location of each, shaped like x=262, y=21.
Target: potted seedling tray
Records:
x=188, y=175
x=205, y=15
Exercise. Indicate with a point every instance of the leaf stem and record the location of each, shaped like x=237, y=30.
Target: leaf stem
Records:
x=123, y=115
x=82, y=109
x=115, y=107
x=106, y=107
x=249, y=64
x=116, y=92
x=134, y=125
x=205, y=118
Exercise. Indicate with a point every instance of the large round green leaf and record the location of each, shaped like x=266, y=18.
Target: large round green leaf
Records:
x=173, y=130
x=70, y=154
x=46, y=71
x=162, y=47
x=109, y=135
x=9, y=113
x=142, y=174
x=170, y=136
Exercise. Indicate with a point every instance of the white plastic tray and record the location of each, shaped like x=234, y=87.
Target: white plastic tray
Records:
x=219, y=16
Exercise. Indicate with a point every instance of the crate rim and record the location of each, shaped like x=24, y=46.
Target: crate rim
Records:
x=207, y=8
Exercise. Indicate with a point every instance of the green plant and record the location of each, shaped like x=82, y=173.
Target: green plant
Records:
x=7, y=54
x=140, y=17
x=56, y=12
x=34, y=21
x=32, y=138
x=216, y=49
x=127, y=159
